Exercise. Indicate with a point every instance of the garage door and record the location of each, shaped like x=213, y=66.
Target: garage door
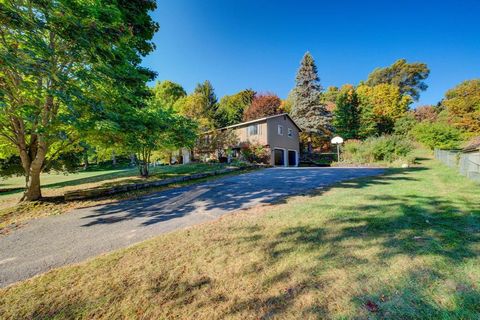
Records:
x=292, y=158
x=279, y=157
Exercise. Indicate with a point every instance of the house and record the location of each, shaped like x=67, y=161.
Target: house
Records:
x=278, y=133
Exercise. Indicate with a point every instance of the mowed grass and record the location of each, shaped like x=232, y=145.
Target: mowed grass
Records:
x=55, y=184
x=405, y=245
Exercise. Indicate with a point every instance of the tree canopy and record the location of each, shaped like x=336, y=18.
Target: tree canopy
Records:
x=155, y=128
x=167, y=93
x=231, y=107
x=462, y=104
x=208, y=101
x=381, y=105
x=66, y=65
x=191, y=107
x=408, y=77
x=346, y=116
x=263, y=105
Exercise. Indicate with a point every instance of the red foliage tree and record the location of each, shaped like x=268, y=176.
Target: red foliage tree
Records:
x=426, y=113
x=263, y=105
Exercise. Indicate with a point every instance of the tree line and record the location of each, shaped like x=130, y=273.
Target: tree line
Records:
x=72, y=87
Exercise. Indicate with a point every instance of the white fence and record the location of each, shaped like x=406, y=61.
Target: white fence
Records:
x=468, y=164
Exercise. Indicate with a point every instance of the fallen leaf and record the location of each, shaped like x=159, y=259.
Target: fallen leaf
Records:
x=371, y=306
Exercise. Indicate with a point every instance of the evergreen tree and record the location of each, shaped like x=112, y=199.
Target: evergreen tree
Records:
x=308, y=111
x=209, y=101
x=346, y=115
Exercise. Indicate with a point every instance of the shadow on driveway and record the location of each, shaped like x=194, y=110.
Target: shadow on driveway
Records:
x=229, y=194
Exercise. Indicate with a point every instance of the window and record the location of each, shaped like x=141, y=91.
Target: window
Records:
x=280, y=130
x=253, y=130
x=290, y=132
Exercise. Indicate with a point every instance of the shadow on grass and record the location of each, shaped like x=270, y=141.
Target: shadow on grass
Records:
x=410, y=297
x=97, y=178
x=446, y=230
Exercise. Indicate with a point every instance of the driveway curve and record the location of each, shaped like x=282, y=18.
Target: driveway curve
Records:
x=55, y=241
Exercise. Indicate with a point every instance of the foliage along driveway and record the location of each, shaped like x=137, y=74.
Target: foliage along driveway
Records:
x=55, y=241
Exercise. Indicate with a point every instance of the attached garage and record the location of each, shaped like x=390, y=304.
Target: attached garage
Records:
x=279, y=157
x=292, y=158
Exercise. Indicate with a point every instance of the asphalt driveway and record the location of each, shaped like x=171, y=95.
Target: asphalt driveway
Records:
x=55, y=241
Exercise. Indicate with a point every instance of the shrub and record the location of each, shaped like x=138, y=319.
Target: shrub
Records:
x=437, y=135
x=404, y=125
x=255, y=153
x=377, y=149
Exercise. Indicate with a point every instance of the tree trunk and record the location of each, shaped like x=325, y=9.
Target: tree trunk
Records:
x=32, y=163
x=114, y=159
x=144, y=169
x=133, y=160
x=85, y=160
x=32, y=186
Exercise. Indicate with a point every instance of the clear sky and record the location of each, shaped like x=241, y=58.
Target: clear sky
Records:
x=258, y=44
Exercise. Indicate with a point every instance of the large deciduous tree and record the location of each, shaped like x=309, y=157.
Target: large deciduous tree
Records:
x=231, y=107
x=156, y=128
x=346, y=116
x=462, y=104
x=263, y=105
x=308, y=111
x=63, y=64
x=167, y=93
x=380, y=106
x=191, y=106
x=408, y=77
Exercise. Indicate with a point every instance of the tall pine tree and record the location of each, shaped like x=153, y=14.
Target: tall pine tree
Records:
x=209, y=101
x=346, y=117
x=308, y=111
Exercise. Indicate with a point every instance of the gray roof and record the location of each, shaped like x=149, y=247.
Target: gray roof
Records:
x=473, y=145
x=259, y=120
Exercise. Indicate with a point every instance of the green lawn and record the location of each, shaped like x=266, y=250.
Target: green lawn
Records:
x=82, y=178
x=405, y=245
x=57, y=179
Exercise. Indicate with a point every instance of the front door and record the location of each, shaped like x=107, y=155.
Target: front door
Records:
x=292, y=158
x=279, y=157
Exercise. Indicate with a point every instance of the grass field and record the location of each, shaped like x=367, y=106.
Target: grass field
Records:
x=405, y=245
x=54, y=184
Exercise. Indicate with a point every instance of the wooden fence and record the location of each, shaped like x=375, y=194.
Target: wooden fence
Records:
x=467, y=163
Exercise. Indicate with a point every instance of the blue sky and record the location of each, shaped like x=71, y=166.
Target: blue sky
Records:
x=258, y=44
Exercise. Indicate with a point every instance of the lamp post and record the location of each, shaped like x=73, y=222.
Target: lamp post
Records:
x=338, y=141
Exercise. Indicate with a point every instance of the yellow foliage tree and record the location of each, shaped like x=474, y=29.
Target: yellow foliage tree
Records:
x=382, y=105
x=192, y=107
x=463, y=106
